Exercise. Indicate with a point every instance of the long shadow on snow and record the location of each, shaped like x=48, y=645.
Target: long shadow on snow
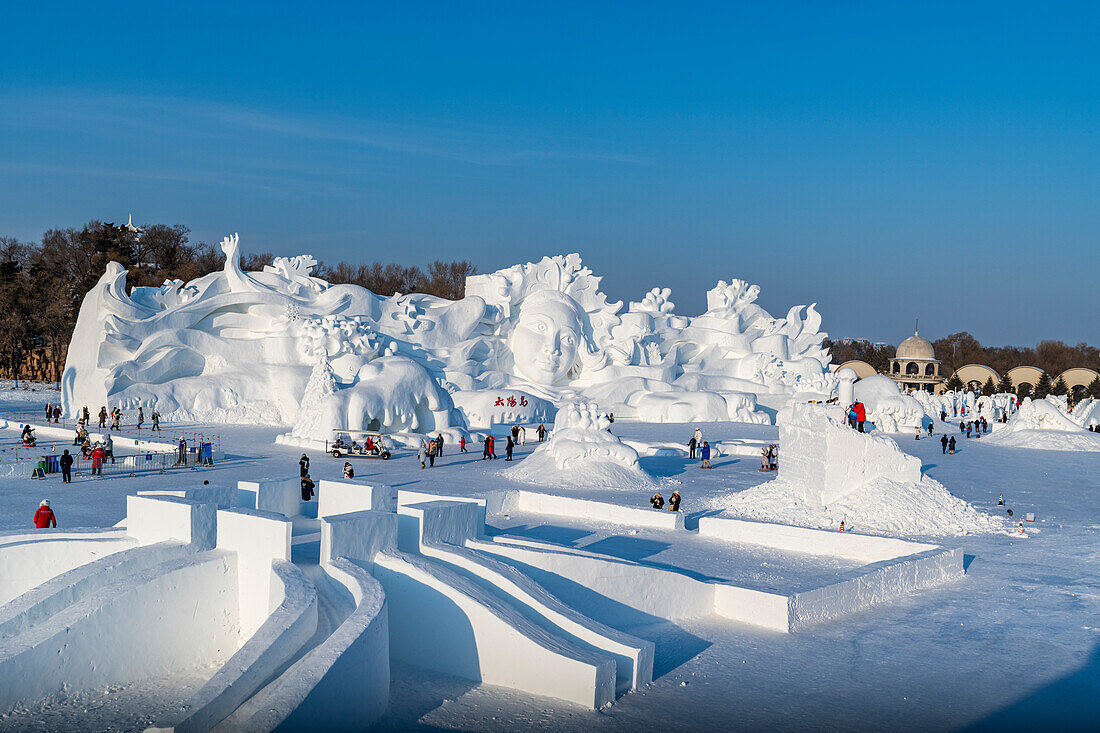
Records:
x=567, y=536
x=673, y=645
x=1069, y=703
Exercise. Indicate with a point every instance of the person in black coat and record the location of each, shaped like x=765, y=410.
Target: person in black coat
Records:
x=66, y=463
x=303, y=465
x=943, y=442
x=508, y=448
x=951, y=445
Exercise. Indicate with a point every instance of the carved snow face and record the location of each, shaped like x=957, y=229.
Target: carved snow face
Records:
x=546, y=338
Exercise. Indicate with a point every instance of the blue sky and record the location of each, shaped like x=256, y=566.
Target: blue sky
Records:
x=886, y=160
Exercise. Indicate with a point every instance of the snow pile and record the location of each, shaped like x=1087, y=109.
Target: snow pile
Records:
x=889, y=409
x=1042, y=425
x=582, y=454
x=829, y=473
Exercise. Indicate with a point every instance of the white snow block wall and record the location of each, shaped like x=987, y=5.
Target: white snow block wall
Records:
x=224, y=496
x=598, y=511
x=444, y=621
x=879, y=583
x=453, y=522
x=349, y=495
x=151, y=519
x=825, y=459
x=282, y=496
x=258, y=538
x=284, y=633
x=178, y=615
x=342, y=684
x=848, y=545
x=28, y=560
x=357, y=536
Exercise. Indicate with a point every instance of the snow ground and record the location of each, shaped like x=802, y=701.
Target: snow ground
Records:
x=1014, y=645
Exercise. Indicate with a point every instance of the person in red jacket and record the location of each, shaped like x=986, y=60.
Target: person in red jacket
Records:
x=861, y=416
x=97, y=459
x=44, y=517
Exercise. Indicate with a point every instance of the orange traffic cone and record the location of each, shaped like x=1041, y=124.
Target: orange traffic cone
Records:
x=1000, y=500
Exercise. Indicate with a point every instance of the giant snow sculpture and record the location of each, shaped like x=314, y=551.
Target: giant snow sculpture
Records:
x=283, y=347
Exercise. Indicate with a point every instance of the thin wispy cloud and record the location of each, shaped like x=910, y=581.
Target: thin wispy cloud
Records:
x=182, y=118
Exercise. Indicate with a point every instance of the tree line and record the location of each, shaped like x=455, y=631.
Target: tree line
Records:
x=42, y=284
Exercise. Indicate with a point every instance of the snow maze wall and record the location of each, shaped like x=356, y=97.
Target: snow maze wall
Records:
x=299, y=617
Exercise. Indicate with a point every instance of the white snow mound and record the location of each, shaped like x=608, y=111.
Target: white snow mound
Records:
x=829, y=473
x=582, y=454
x=1041, y=425
x=889, y=409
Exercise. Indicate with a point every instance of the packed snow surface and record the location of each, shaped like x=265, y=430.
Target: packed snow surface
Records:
x=1013, y=645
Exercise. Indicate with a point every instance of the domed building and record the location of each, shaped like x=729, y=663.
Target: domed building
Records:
x=915, y=365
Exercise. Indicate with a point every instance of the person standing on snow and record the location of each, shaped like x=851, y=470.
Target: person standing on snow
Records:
x=522, y=435
x=657, y=500
x=462, y=444
x=691, y=448
x=698, y=436
x=861, y=416
x=44, y=518
x=674, y=501
x=541, y=432
x=485, y=449
x=87, y=415
x=509, y=447
x=109, y=447
x=66, y=463
x=303, y=465
x=97, y=459
x=422, y=454
x=943, y=442
x=307, y=488
x=156, y=421
x=141, y=417
x=704, y=453
x=492, y=447
x=951, y=445
x=102, y=417
x=57, y=413
x=349, y=472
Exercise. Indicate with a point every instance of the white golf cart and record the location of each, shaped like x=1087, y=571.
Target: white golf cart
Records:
x=345, y=445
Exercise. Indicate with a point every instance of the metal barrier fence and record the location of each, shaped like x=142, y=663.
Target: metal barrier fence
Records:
x=130, y=465
x=166, y=434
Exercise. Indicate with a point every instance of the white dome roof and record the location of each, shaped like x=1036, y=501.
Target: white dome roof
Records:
x=916, y=347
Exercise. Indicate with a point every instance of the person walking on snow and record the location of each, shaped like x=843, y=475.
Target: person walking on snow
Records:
x=951, y=445
x=485, y=449
x=439, y=445
x=432, y=449
x=109, y=448
x=422, y=454
x=508, y=447
x=462, y=444
x=943, y=442
x=704, y=453
x=44, y=518
x=691, y=448
x=674, y=501
x=303, y=465
x=156, y=421
x=102, y=417
x=141, y=417
x=522, y=435
x=87, y=415
x=116, y=418
x=657, y=500
x=492, y=448
x=57, y=413
x=541, y=432
x=49, y=411
x=66, y=463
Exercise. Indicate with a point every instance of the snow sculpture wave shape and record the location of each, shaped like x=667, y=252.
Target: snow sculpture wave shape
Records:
x=280, y=346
